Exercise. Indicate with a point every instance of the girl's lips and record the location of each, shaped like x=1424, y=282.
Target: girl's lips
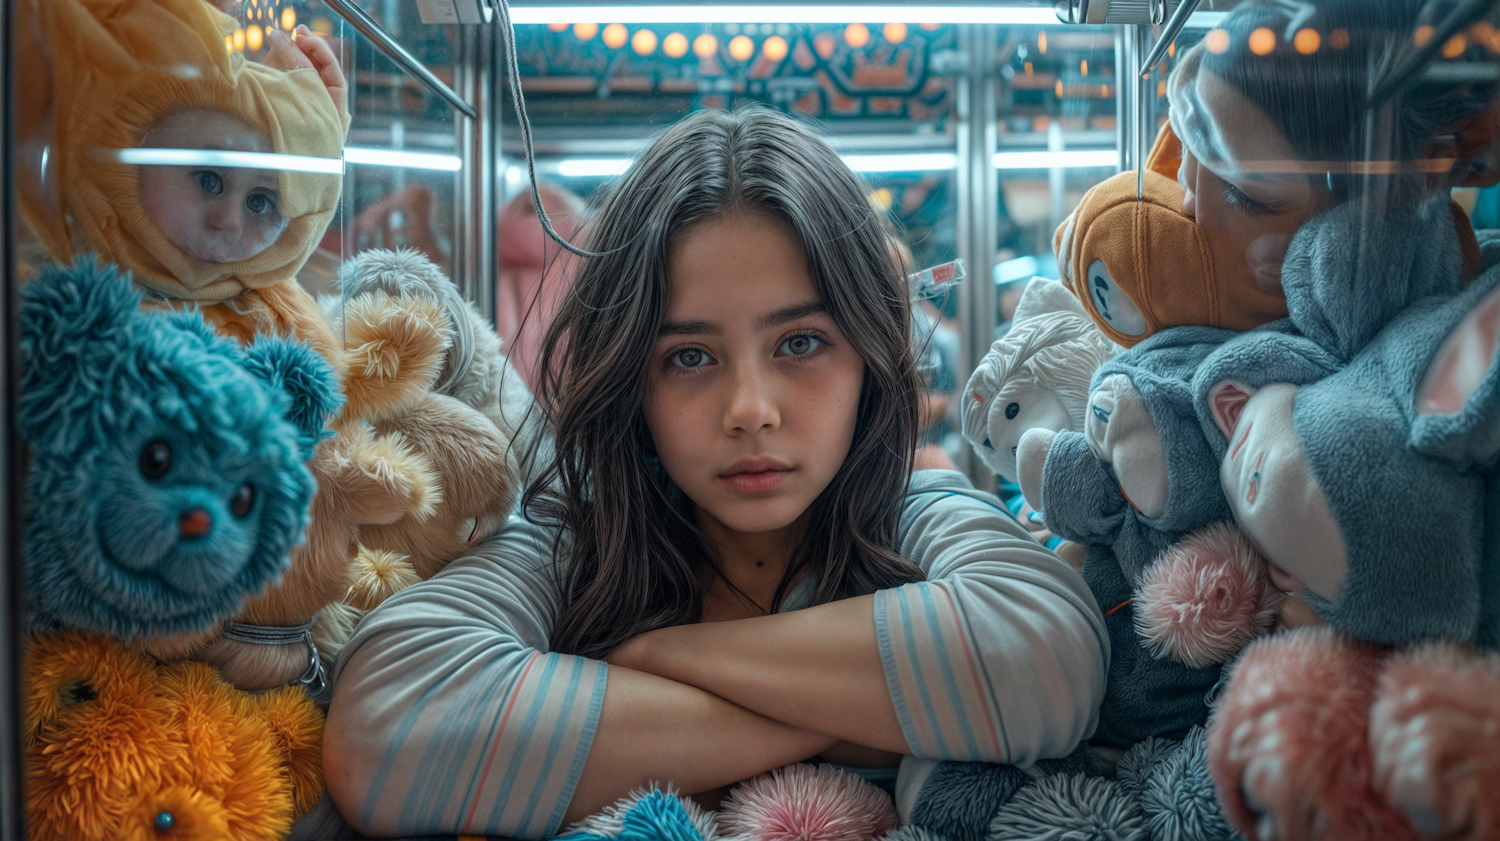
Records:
x=756, y=483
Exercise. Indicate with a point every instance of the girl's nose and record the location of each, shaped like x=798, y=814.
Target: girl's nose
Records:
x=752, y=403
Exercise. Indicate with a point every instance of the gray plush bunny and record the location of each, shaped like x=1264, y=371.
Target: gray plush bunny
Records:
x=1378, y=489
x=1327, y=474
x=1369, y=486
x=1146, y=470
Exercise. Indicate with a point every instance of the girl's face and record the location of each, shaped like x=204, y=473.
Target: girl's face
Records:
x=752, y=390
x=1248, y=221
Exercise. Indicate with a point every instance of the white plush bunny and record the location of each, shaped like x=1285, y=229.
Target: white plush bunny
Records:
x=1035, y=376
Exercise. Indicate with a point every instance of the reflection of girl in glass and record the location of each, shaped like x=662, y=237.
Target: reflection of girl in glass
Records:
x=1272, y=108
x=729, y=523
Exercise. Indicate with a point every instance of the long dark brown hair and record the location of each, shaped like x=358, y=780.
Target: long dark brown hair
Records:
x=630, y=552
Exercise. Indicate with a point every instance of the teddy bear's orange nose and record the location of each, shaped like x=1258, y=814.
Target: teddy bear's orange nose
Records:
x=195, y=523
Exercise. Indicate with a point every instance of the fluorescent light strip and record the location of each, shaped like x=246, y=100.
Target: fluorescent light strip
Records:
x=592, y=167
x=217, y=158
x=781, y=14
x=931, y=162
x=1061, y=160
x=404, y=160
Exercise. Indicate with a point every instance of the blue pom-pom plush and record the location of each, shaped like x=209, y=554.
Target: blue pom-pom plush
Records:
x=166, y=479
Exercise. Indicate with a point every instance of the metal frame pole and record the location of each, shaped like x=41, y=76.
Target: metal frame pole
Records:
x=978, y=207
x=475, y=73
x=12, y=782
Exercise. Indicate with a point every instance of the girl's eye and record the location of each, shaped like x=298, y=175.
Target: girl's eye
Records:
x=799, y=345
x=1235, y=196
x=260, y=204
x=210, y=181
x=689, y=358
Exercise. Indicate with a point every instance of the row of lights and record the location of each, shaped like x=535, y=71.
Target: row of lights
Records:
x=254, y=36
x=741, y=47
x=1308, y=40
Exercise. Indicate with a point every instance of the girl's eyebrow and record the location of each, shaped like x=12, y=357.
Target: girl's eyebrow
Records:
x=792, y=313
x=781, y=316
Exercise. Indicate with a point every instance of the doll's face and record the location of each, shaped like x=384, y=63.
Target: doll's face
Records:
x=752, y=390
x=1276, y=498
x=1023, y=403
x=217, y=214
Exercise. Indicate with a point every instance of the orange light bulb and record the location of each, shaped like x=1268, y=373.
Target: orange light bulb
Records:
x=643, y=42
x=741, y=48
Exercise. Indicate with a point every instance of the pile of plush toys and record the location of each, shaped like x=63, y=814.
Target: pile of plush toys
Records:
x=1349, y=451
x=221, y=474
x=175, y=483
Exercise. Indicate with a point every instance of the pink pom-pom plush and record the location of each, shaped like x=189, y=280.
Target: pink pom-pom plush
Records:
x=1205, y=598
x=1435, y=735
x=1289, y=740
x=808, y=803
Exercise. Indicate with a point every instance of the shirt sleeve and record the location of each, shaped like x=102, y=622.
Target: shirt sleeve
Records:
x=450, y=716
x=1000, y=655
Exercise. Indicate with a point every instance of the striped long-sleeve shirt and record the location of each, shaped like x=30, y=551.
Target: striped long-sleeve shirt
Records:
x=450, y=714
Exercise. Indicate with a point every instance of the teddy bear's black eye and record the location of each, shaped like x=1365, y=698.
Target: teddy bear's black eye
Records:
x=156, y=459
x=244, y=498
x=1012, y=410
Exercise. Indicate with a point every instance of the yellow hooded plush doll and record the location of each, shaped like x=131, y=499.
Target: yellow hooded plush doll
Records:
x=147, y=121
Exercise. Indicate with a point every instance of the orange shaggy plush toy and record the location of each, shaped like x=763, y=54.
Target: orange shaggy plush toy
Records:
x=121, y=747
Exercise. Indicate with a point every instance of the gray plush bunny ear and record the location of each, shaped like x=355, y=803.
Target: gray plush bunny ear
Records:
x=473, y=368
x=1458, y=401
x=1251, y=361
x=1349, y=271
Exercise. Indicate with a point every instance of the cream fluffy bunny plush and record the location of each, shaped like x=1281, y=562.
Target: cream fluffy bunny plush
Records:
x=1035, y=376
x=473, y=423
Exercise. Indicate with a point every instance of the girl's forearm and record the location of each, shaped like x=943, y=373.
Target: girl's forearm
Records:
x=655, y=730
x=817, y=669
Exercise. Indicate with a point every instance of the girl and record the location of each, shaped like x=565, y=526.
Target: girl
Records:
x=729, y=523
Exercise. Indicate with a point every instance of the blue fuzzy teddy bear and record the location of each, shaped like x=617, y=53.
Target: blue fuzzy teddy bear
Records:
x=166, y=480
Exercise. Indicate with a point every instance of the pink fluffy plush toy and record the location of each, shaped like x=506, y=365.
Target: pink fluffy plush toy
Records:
x=808, y=803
